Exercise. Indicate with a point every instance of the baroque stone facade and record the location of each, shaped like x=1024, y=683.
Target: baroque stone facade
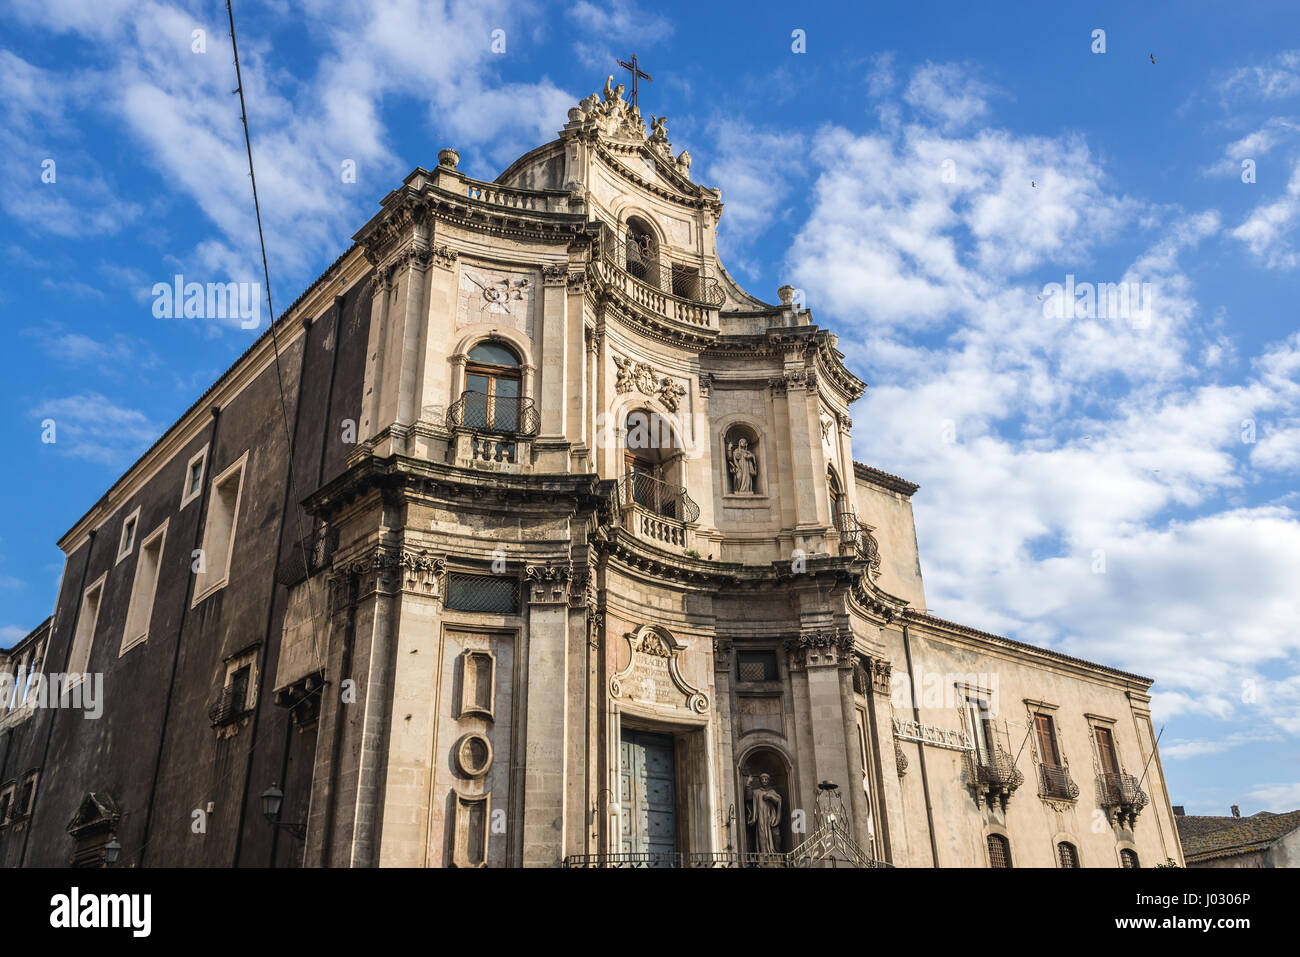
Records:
x=592, y=580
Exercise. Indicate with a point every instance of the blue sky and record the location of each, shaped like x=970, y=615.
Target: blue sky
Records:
x=1123, y=489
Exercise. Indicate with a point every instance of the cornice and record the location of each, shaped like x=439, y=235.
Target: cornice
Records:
x=939, y=626
x=893, y=483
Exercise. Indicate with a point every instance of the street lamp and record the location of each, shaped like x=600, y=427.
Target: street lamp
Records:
x=111, y=852
x=272, y=801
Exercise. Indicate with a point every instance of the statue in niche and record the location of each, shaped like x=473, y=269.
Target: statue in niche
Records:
x=765, y=816
x=744, y=467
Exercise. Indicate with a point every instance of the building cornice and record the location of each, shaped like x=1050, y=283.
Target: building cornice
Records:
x=874, y=476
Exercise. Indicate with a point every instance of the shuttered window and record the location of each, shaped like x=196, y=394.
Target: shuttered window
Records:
x=1106, y=750
x=1047, y=749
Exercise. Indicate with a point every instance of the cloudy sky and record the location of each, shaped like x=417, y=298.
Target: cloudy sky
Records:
x=1119, y=484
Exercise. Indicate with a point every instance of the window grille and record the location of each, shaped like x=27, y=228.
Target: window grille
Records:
x=999, y=851
x=485, y=593
x=757, y=665
x=1128, y=858
x=1067, y=854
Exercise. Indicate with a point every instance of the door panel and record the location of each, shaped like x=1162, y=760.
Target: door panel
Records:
x=648, y=791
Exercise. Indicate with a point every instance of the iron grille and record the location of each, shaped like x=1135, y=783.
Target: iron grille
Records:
x=1120, y=790
x=1067, y=855
x=498, y=594
x=1128, y=858
x=999, y=851
x=756, y=665
x=675, y=859
x=506, y=415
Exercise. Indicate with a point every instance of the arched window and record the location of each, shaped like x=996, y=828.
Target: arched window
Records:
x=642, y=252
x=651, y=463
x=1128, y=858
x=835, y=493
x=1067, y=854
x=999, y=851
x=492, y=388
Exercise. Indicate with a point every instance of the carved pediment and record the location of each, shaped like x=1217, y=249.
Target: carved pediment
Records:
x=653, y=674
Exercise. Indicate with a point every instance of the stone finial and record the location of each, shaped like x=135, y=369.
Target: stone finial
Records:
x=448, y=157
x=786, y=293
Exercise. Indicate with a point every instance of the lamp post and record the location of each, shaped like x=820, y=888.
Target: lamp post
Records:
x=111, y=852
x=272, y=801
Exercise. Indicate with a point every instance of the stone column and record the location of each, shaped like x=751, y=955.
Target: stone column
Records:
x=890, y=815
x=413, y=719
x=545, y=719
x=816, y=657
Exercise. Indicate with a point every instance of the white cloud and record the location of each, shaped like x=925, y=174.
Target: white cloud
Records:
x=948, y=93
x=89, y=426
x=1266, y=231
x=1278, y=79
x=1089, y=501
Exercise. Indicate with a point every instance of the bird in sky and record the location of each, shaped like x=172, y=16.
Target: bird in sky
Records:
x=1153, y=57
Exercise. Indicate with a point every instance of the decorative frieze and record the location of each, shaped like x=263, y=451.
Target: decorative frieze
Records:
x=820, y=648
x=548, y=583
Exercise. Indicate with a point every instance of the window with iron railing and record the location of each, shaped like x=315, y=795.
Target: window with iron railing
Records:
x=498, y=594
x=1067, y=855
x=999, y=851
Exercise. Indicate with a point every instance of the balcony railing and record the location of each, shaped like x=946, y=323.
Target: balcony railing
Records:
x=502, y=415
x=230, y=707
x=858, y=537
x=1119, y=794
x=1055, y=783
x=993, y=775
x=659, y=498
x=684, y=282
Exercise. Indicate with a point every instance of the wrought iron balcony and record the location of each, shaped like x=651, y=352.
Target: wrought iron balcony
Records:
x=993, y=776
x=661, y=498
x=1056, y=784
x=685, y=282
x=858, y=537
x=497, y=414
x=230, y=707
x=1121, y=797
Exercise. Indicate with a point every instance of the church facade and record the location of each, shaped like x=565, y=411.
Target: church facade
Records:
x=565, y=561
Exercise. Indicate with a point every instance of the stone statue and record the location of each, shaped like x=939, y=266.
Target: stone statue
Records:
x=626, y=371
x=765, y=815
x=659, y=132
x=744, y=467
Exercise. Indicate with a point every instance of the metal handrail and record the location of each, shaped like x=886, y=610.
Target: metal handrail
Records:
x=504, y=415
x=667, y=501
x=643, y=265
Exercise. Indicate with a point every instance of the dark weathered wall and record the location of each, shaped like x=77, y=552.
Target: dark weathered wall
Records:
x=154, y=749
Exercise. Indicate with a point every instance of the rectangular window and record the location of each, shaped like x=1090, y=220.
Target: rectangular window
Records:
x=488, y=593
x=1106, y=751
x=756, y=665
x=194, y=476
x=127, y=542
x=84, y=637
x=6, y=804
x=219, y=530
x=1046, y=732
x=27, y=795
x=980, y=731
x=143, y=590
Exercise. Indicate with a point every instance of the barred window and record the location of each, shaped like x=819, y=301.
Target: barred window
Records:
x=1067, y=854
x=999, y=851
x=757, y=665
x=489, y=593
x=1128, y=858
